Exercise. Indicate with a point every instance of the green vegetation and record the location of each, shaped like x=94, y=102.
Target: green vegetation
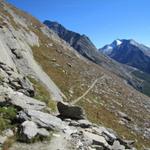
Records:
x=7, y=115
x=42, y=94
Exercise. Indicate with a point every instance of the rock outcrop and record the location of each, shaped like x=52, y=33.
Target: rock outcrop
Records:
x=68, y=111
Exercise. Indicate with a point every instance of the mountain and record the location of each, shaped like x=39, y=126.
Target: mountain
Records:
x=81, y=43
x=51, y=93
x=129, y=52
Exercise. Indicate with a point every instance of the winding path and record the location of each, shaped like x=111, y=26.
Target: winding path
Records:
x=88, y=90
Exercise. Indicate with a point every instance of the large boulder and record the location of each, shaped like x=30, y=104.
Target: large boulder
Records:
x=43, y=120
x=29, y=131
x=69, y=111
x=24, y=102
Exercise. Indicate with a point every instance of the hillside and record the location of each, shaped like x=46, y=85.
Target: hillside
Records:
x=50, y=69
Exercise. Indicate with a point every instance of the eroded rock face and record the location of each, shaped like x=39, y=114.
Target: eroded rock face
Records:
x=68, y=111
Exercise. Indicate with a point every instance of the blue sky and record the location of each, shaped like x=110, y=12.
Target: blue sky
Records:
x=102, y=20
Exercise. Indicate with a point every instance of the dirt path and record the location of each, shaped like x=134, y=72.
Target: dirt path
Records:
x=88, y=90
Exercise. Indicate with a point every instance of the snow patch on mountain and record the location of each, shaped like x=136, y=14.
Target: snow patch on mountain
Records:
x=118, y=42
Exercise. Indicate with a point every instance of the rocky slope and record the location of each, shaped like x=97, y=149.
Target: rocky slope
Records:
x=36, y=67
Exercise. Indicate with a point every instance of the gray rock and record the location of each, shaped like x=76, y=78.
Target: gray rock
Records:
x=29, y=130
x=17, y=53
x=73, y=123
x=43, y=132
x=84, y=123
x=43, y=120
x=80, y=123
x=127, y=143
x=117, y=146
x=24, y=102
x=110, y=137
x=124, y=116
x=96, y=139
x=27, y=86
x=67, y=111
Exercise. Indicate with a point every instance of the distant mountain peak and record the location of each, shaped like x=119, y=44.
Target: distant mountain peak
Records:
x=130, y=52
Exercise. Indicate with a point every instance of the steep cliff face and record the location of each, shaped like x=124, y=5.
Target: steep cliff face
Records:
x=32, y=54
